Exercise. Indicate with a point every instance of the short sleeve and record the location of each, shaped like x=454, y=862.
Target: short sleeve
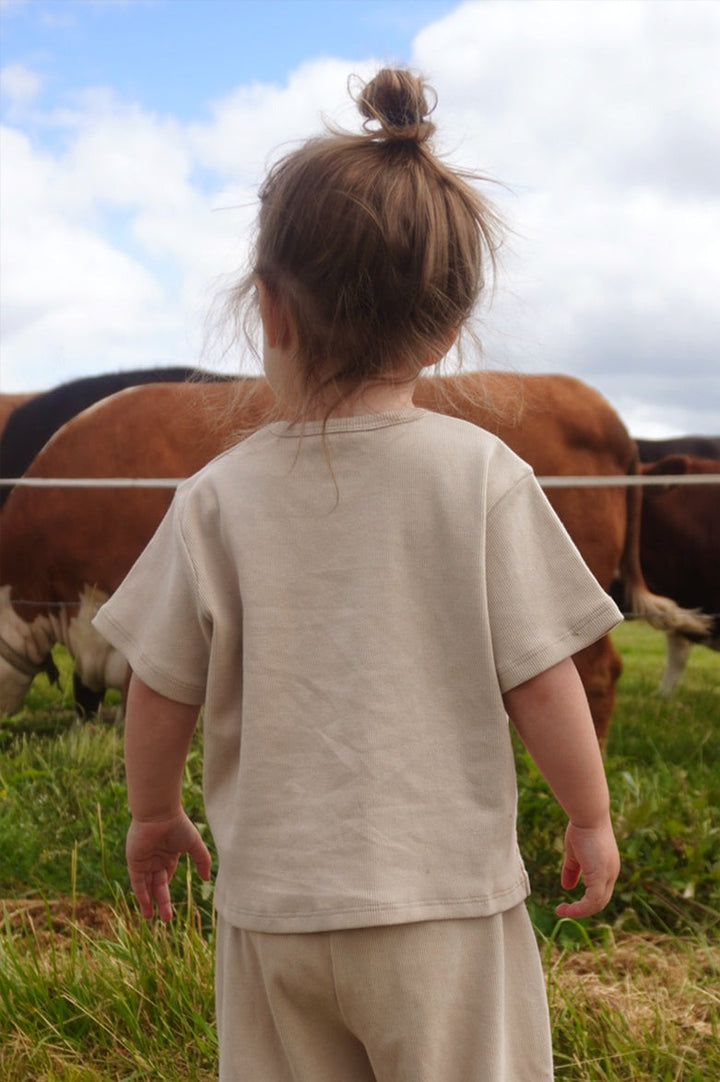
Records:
x=544, y=602
x=156, y=618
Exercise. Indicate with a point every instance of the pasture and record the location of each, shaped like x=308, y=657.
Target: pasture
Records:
x=89, y=993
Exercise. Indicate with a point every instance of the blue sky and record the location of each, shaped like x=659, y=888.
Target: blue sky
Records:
x=176, y=55
x=135, y=133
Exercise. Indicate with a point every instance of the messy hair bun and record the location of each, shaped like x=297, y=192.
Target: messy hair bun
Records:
x=397, y=101
x=374, y=249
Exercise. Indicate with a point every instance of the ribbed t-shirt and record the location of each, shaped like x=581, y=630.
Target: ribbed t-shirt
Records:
x=350, y=602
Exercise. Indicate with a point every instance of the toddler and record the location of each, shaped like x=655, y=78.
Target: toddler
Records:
x=361, y=597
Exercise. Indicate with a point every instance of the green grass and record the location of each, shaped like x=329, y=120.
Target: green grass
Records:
x=641, y=1008
x=88, y=992
x=120, y=1000
x=663, y=768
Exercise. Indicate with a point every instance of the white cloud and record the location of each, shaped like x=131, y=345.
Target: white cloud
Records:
x=19, y=85
x=600, y=116
x=116, y=245
x=547, y=88
x=72, y=300
x=252, y=123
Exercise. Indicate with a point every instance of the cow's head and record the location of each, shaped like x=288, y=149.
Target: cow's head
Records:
x=25, y=648
x=97, y=663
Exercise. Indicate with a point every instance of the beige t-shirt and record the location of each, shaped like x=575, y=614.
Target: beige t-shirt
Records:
x=351, y=609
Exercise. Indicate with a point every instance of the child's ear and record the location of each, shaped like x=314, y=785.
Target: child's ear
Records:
x=276, y=324
x=444, y=346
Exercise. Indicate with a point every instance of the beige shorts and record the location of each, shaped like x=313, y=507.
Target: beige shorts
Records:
x=441, y=1001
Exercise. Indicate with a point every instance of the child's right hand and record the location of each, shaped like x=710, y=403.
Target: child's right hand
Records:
x=153, y=849
x=593, y=853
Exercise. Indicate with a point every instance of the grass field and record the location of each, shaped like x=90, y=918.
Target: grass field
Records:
x=89, y=993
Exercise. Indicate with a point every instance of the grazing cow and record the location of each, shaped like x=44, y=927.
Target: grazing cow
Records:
x=680, y=552
x=68, y=541
x=695, y=446
x=65, y=549
x=33, y=422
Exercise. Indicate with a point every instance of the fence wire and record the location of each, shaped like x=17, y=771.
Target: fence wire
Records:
x=585, y=481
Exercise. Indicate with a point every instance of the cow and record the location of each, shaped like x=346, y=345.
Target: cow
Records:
x=695, y=446
x=33, y=421
x=680, y=552
x=67, y=548
x=56, y=540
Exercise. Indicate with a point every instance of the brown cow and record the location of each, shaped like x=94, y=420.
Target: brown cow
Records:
x=34, y=422
x=66, y=548
x=680, y=552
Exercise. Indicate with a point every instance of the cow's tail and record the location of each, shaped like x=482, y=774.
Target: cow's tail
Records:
x=638, y=600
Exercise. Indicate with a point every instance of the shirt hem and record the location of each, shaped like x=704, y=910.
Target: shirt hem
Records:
x=371, y=916
x=598, y=623
x=159, y=681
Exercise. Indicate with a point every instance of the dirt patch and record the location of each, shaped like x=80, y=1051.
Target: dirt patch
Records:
x=59, y=917
x=642, y=979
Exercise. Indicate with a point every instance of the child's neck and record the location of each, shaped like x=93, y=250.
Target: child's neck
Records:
x=370, y=399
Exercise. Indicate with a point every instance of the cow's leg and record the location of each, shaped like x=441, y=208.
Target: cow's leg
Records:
x=599, y=667
x=678, y=649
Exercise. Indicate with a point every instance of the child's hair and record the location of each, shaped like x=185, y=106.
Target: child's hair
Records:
x=375, y=250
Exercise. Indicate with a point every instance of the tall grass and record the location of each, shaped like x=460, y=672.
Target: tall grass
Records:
x=121, y=1000
x=90, y=992
x=637, y=1009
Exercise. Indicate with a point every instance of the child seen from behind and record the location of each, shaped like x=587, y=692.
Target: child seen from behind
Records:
x=360, y=597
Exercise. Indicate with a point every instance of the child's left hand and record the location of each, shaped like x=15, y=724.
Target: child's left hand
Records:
x=591, y=852
x=153, y=850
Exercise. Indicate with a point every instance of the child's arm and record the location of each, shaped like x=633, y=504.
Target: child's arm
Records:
x=158, y=732
x=552, y=717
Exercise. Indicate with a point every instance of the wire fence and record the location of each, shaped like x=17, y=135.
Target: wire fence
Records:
x=585, y=481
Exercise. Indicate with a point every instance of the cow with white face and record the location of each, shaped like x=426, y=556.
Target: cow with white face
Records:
x=64, y=550
x=25, y=648
x=24, y=653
